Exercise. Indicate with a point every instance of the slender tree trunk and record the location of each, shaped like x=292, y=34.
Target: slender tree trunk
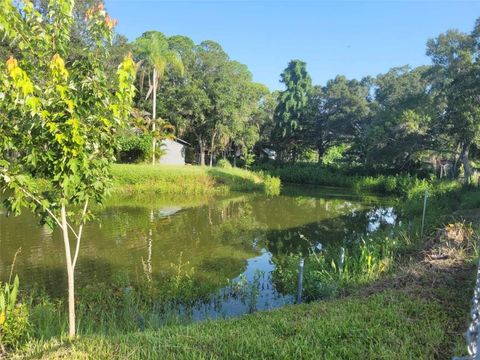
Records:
x=321, y=152
x=70, y=275
x=201, y=144
x=466, y=163
x=212, y=147
x=154, y=114
x=294, y=154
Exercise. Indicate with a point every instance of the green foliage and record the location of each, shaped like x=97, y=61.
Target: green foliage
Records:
x=386, y=325
x=249, y=158
x=134, y=148
x=338, y=114
x=41, y=96
x=333, y=155
x=310, y=173
x=14, y=323
x=8, y=299
x=14, y=332
x=325, y=275
x=272, y=185
x=291, y=112
x=223, y=164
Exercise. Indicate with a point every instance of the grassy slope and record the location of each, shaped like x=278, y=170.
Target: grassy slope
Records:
x=419, y=314
x=134, y=179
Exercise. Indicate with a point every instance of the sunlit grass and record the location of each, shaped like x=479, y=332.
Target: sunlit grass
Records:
x=189, y=180
x=388, y=325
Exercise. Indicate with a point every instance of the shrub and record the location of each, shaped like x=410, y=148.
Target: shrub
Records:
x=16, y=328
x=224, y=164
x=272, y=185
x=134, y=148
x=13, y=317
x=315, y=174
x=334, y=155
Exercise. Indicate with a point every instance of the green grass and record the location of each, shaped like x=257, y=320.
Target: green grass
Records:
x=314, y=174
x=189, y=180
x=387, y=325
x=419, y=310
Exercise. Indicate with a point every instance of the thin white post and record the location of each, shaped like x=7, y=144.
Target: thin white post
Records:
x=300, y=281
x=342, y=259
x=424, y=209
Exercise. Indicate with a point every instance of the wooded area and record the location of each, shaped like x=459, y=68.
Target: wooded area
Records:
x=399, y=121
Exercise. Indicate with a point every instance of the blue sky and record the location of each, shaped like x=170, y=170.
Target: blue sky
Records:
x=353, y=38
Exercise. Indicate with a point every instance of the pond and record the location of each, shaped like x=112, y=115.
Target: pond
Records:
x=222, y=245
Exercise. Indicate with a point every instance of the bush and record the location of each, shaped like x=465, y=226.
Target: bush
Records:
x=134, y=148
x=334, y=155
x=13, y=316
x=272, y=185
x=224, y=164
x=15, y=330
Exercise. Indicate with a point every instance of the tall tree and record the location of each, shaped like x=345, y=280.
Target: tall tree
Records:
x=155, y=55
x=57, y=119
x=213, y=97
x=456, y=59
x=337, y=113
x=291, y=113
x=400, y=128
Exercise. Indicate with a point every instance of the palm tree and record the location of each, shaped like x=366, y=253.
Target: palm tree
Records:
x=155, y=57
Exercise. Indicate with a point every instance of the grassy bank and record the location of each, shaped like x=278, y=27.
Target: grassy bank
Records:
x=314, y=174
x=417, y=319
x=393, y=299
x=189, y=180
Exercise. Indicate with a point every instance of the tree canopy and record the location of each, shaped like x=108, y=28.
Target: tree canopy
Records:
x=58, y=118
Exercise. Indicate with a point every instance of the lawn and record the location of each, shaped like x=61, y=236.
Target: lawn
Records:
x=418, y=314
x=164, y=179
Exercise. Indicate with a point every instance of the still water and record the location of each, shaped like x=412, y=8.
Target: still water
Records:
x=218, y=241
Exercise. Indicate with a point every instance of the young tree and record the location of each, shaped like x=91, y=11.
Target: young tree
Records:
x=58, y=119
x=155, y=55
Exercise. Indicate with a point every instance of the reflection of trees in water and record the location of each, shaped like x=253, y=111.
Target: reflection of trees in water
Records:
x=333, y=232
x=380, y=218
x=219, y=233
x=216, y=238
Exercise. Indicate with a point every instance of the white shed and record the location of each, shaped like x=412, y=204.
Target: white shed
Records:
x=174, y=152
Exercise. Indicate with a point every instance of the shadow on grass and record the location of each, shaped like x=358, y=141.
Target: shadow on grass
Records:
x=236, y=182
x=448, y=283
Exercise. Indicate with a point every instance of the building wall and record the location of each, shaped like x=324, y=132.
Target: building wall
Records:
x=174, y=153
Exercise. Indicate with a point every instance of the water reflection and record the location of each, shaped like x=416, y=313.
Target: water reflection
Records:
x=380, y=218
x=251, y=291
x=221, y=241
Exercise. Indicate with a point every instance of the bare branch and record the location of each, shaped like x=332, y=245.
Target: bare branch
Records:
x=79, y=236
x=37, y=200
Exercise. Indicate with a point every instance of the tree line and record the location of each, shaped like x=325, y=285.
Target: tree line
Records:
x=398, y=121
